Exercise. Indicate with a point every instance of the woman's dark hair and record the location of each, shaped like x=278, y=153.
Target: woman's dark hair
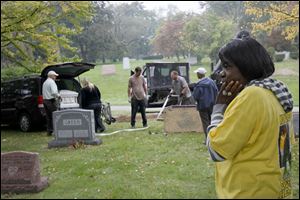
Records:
x=249, y=56
x=242, y=34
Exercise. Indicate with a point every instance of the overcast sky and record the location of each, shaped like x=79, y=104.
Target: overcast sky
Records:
x=189, y=6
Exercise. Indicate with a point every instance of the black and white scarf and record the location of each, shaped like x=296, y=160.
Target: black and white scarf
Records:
x=279, y=90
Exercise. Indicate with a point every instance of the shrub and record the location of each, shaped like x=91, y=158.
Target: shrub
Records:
x=294, y=55
x=199, y=57
x=271, y=51
x=279, y=57
x=294, y=48
x=205, y=61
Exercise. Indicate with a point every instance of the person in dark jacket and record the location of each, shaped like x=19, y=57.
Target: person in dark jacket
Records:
x=205, y=93
x=91, y=99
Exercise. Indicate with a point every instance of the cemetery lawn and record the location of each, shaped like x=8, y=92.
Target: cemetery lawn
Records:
x=141, y=164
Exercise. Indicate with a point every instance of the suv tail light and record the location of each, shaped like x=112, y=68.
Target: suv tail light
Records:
x=40, y=101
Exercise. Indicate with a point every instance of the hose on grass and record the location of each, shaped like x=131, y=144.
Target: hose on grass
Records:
x=122, y=130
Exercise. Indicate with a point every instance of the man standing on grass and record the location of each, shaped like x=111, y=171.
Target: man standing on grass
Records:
x=50, y=97
x=137, y=95
x=205, y=94
x=181, y=88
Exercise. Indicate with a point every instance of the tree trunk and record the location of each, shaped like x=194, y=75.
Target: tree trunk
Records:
x=82, y=52
x=177, y=55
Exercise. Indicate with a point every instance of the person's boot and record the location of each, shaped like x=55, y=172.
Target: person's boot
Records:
x=100, y=130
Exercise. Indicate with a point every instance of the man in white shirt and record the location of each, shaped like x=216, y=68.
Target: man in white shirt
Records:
x=50, y=96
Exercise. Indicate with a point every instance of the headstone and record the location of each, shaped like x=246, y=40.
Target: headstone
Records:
x=180, y=119
x=20, y=172
x=192, y=60
x=108, y=69
x=73, y=125
x=126, y=64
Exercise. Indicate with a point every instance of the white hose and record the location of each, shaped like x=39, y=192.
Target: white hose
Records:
x=123, y=130
x=162, y=109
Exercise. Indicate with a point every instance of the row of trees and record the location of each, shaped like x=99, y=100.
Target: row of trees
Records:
x=274, y=24
x=117, y=31
x=34, y=34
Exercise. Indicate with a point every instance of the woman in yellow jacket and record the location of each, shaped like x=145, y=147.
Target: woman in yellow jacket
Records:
x=249, y=134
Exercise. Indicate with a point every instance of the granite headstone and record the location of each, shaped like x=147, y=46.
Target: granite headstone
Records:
x=73, y=125
x=20, y=172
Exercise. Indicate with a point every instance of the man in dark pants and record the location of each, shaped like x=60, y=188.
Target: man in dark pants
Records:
x=50, y=98
x=205, y=93
x=137, y=95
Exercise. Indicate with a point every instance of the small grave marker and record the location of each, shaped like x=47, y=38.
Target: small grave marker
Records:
x=20, y=172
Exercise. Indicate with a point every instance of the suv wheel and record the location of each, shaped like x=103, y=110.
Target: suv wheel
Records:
x=25, y=123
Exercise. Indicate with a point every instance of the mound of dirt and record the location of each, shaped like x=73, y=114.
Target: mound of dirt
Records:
x=127, y=118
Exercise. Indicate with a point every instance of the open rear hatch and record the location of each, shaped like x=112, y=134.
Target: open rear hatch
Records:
x=68, y=70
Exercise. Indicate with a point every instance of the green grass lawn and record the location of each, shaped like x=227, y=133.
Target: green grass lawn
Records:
x=114, y=87
x=293, y=85
x=291, y=64
x=127, y=165
x=291, y=79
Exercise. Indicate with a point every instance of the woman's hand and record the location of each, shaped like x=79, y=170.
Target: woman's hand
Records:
x=228, y=92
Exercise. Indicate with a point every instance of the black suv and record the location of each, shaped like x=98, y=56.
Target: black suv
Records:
x=22, y=100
